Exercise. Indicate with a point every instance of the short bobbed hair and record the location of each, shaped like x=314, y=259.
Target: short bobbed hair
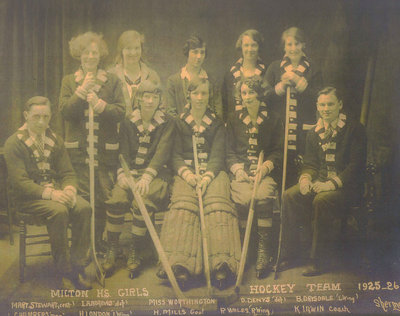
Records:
x=125, y=39
x=254, y=35
x=294, y=32
x=36, y=100
x=196, y=82
x=79, y=43
x=255, y=83
x=194, y=42
x=147, y=86
x=330, y=89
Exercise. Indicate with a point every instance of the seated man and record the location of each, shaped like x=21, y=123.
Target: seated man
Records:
x=330, y=181
x=44, y=185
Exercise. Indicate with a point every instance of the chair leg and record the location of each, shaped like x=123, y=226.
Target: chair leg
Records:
x=10, y=223
x=22, y=250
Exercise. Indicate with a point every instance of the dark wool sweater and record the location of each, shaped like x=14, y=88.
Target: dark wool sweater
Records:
x=214, y=145
x=159, y=148
x=306, y=101
x=350, y=156
x=24, y=175
x=74, y=111
x=270, y=138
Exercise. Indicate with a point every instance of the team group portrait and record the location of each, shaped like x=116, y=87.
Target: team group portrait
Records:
x=198, y=149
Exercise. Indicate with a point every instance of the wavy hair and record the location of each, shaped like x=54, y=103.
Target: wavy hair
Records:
x=254, y=35
x=194, y=42
x=79, y=43
x=256, y=83
x=125, y=39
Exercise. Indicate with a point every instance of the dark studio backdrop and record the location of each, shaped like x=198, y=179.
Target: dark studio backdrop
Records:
x=350, y=40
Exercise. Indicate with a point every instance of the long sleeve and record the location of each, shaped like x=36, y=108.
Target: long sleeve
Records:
x=228, y=102
x=177, y=154
x=272, y=74
x=112, y=94
x=71, y=105
x=350, y=156
x=164, y=146
x=16, y=156
x=315, y=82
x=231, y=141
x=215, y=99
x=357, y=146
x=124, y=146
x=311, y=157
x=63, y=167
x=274, y=150
x=171, y=97
x=216, y=161
x=308, y=97
x=22, y=170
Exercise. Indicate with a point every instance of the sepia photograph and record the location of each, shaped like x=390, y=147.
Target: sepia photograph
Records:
x=199, y=157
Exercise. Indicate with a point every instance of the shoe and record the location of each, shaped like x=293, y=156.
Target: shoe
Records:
x=312, y=269
x=181, y=275
x=101, y=248
x=79, y=266
x=134, y=262
x=82, y=283
x=109, y=262
x=264, y=263
x=222, y=276
x=66, y=284
x=74, y=280
x=284, y=265
x=161, y=273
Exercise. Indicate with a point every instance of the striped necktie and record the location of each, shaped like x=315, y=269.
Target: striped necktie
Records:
x=40, y=143
x=328, y=131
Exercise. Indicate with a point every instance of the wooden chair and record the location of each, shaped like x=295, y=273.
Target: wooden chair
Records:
x=27, y=239
x=32, y=240
x=359, y=215
x=5, y=207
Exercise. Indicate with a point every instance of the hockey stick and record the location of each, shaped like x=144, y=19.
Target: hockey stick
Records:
x=151, y=229
x=250, y=217
x=100, y=275
x=202, y=220
x=285, y=154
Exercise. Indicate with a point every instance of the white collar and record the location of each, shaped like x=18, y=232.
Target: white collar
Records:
x=185, y=74
x=333, y=124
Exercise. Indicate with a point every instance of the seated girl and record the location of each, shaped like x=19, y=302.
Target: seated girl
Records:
x=252, y=129
x=181, y=235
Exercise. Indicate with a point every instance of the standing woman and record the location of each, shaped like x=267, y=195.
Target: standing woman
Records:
x=295, y=70
x=92, y=87
x=181, y=236
x=249, y=44
x=255, y=128
x=130, y=68
x=195, y=50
